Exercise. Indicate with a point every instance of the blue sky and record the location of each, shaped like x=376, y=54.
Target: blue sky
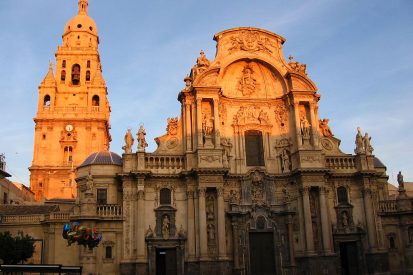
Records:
x=359, y=54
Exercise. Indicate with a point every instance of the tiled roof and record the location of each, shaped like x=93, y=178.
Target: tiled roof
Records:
x=103, y=157
x=378, y=163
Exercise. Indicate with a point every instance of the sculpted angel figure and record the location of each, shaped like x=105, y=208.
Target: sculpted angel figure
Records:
x=359, y=142
x=367, y=144
x=325, y=129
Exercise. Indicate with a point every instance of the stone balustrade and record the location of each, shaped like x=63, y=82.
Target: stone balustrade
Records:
x=21, y=219
x=166, y=164
x=109, y=210
x=60, y=216
x=388, y=206
x=341, y=162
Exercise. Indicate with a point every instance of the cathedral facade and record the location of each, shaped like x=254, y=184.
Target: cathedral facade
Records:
x=247, y=179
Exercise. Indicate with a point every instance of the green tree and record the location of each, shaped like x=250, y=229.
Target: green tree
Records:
x=14, y=250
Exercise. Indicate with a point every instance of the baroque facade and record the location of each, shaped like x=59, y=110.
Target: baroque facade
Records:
x=246, y=180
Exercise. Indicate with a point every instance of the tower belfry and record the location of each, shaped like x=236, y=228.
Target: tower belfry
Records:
x=72, y=119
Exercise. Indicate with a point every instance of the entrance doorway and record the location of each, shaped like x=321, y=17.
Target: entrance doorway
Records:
x=166, y=261
x=349, y=258
x=262, y=256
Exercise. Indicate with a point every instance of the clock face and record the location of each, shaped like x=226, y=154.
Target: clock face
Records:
x=69, y=127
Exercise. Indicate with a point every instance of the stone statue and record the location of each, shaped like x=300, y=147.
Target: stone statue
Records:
x=297, y=66
x=359, y=142
x=89, y=183
x=227, y=144
x=141, y=139
x=344, y=219
x=207, y=125
x=149, y=233
x=202, y=63
x=128, y=142
x=285, y=157
x=181, y=232
x=400, y=180
x=165, y=227
x=247, y=83
x=305, y=127
x=367, y=146
x=211, y=232
x=325, y=129
x=210, y=208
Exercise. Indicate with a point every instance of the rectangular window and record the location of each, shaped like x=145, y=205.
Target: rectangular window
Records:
x=102, y=196
x=108, y=252
x=254, y=149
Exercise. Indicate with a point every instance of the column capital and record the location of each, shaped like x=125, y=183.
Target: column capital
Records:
x=190, y=194
x=305, y=190
x=201, y=191
x=220, y=191
x=141, y=195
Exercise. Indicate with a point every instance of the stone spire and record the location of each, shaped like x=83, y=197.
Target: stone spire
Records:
x=83, y=5
x=49, y=79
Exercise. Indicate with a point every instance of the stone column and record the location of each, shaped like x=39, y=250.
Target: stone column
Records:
x=191, y=224
x=297, y=125
x=216, y=125
x=188, y=132
x=199, y=122
x=141, y=226
x=314, y=125
x=203, y=245
x=235, y=241
x=222, y=248
x=291, y=240
x=324, y=222
x=371, y=225
x=307, y=219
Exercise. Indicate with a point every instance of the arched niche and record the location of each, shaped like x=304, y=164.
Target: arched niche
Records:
x=256, y=79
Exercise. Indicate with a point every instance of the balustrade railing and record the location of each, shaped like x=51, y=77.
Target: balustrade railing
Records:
x=341, y=162
x=60, y=216
x=388, y=206
x=165, y=163
x=21, y=219
x=109, y=210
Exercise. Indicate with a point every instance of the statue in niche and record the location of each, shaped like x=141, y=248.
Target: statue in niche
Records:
x=285, y=158
x=344, y=219
x=128, y=142
x=367, y=145
x=227, y=144
x=142, y=144
x=210, y=207
x=400, y=180
x=247, y=83
x=165, y=227
x=207, y=125
x=211, y=232
x=233, y=196
x=89, y=183
x=325, y=129
x=263, y=118
x=305, y=128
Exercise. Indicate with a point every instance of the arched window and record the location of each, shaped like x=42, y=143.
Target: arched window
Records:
x=46, y=101
x=165, y=196
x=88, y=64
x=63, y=75
x=253, y=148
x=64, y=64
x=342, y=195
x=68, y=154
x=76, y=74
x=87, y=75
x=95, y=100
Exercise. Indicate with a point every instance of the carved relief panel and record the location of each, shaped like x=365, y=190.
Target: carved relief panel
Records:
x=211, y=221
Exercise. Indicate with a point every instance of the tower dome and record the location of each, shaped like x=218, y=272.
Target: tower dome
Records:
x=81, y=30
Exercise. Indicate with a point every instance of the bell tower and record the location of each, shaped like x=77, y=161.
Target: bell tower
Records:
x=72, y=119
